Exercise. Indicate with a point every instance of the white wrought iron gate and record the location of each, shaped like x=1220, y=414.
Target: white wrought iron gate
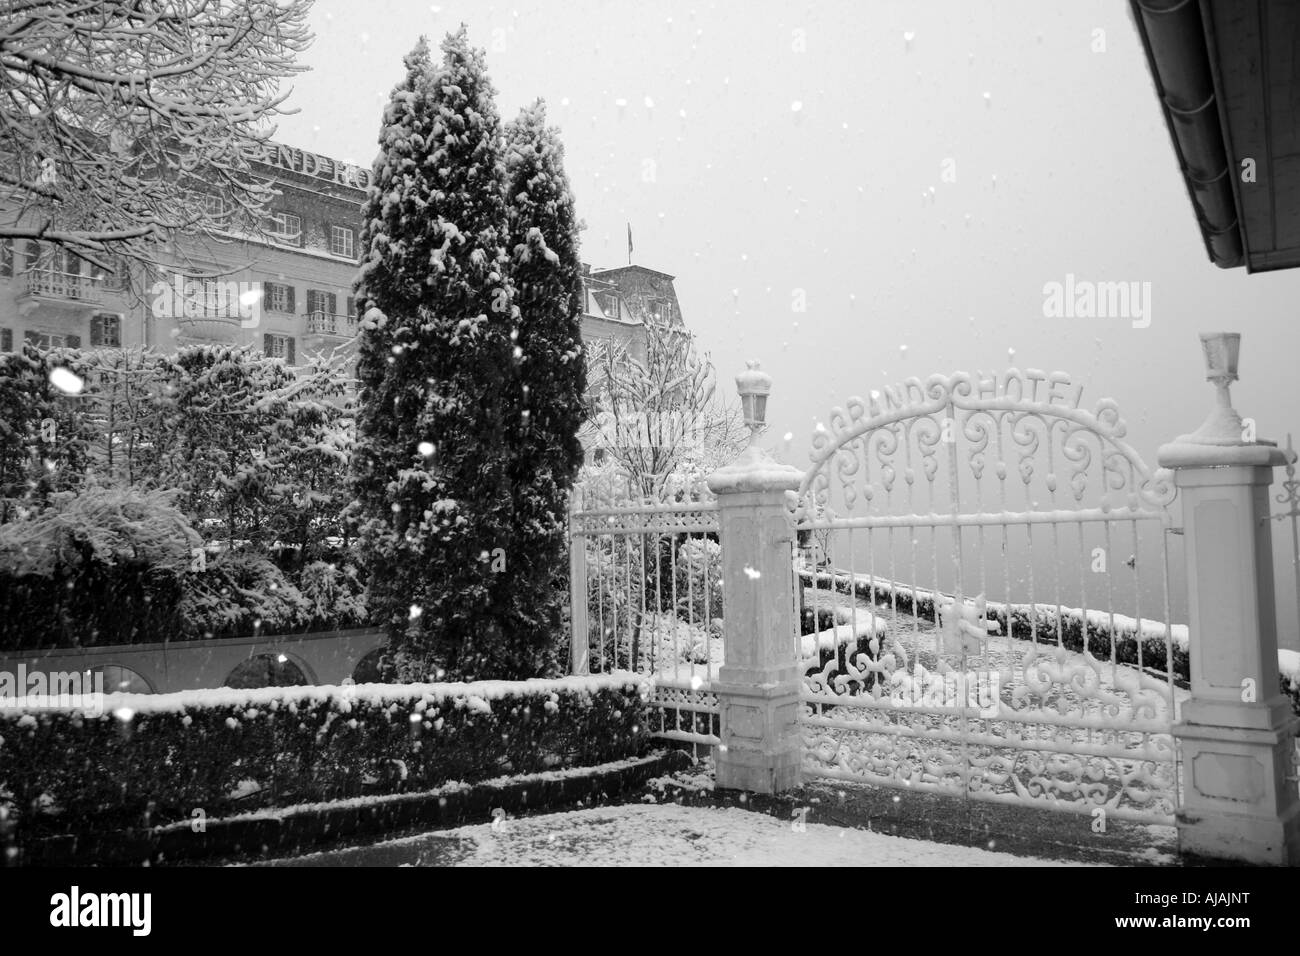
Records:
x=646, y=597
x=1002, y=550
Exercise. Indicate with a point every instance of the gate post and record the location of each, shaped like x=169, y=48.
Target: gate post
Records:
x=758, y=685
x=579, y=649
x=1236, y=733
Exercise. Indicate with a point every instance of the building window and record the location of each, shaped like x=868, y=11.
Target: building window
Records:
x=51, y=340
x=116, y=280
x=661, y=311
x=278, y=346
x=317, y=301
x=106, y=330
x=6, y=340
x=215, y=207
x=352, y=307
x=278, y=297
x=341, y=242
x=610, y=305
x=286, y=227
x=208, y=297
x=6, y=257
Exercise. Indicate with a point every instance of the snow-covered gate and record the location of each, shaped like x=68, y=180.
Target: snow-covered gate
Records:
x=1009, y=548
x=645, y=596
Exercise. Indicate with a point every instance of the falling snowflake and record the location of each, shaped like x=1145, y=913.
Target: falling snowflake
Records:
x=66, y=381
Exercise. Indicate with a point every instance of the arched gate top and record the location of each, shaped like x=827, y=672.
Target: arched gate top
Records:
x=1029, y=426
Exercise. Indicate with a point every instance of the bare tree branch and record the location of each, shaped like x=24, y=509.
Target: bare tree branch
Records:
x=659, y=419
x=121, y=119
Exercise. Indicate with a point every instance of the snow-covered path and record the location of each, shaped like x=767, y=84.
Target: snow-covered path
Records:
x=659, y=835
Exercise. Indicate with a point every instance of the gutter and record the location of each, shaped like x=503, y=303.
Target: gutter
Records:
x=1174, y=37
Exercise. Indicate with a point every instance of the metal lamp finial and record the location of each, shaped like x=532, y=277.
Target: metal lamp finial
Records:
x=1223, y=426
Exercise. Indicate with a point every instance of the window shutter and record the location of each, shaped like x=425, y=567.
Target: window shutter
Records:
x=6, y=340
x=292, y=307
x=267, y=301
x=266, y=344
x=96, y=330
x=6, y=257
x=33, y=253
x=352, y=306
x=333, y=300
x=288, y=351
x=74, y=341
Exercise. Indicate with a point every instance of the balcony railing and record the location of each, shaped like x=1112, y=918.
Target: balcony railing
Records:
x=331, y=324
x=67, y=286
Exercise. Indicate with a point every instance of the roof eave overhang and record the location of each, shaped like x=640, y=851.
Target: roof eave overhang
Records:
x=1183, y=65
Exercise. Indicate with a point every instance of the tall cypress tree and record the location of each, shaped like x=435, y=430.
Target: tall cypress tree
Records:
x=432, y=467
x=551, y=374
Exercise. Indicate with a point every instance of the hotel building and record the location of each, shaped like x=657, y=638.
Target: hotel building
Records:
x=286, y=292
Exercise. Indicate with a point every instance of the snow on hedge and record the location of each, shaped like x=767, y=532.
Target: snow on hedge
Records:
x=868, y=626
x=1103, y=620
x=476, y=695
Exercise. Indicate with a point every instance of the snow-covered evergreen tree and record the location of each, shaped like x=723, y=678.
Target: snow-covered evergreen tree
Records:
x=547, y=402
x=432, y=468
x=44, y=434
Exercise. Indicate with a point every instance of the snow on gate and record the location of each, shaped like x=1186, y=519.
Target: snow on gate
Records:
x=645, y=596
x=1013, y=546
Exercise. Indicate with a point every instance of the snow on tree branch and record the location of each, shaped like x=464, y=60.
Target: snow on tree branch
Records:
x=122, y=123
x=658, y=417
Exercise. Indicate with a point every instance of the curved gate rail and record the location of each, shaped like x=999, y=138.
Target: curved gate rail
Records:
x=988, y=530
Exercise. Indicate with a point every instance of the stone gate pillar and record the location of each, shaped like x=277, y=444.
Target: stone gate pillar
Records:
x=758, y=684
x=1236, y=734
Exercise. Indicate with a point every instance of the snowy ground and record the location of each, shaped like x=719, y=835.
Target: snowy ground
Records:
x=659, y=835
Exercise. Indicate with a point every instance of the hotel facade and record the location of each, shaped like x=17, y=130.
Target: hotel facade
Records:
x=286, y=292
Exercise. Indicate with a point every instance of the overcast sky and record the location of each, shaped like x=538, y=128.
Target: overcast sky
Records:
x=762, y=148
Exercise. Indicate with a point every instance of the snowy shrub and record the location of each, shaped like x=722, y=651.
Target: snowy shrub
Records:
x=334, y=596
x=44, y=434
x=107, y=565
x=699, y=580
x=159, y=757
x=242, y=593
x=104, y=526
x=670, y=644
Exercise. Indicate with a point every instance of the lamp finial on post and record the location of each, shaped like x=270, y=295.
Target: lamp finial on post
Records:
x=1223, y=426
x=753, y=386
x=754, y=469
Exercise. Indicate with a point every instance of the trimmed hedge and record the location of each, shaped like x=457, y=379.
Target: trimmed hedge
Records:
x=151, y=760
x=1029, y=623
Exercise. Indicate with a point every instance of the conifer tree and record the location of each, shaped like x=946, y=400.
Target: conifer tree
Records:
x=431, y=469
x=551, y=376
x=472, y=377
